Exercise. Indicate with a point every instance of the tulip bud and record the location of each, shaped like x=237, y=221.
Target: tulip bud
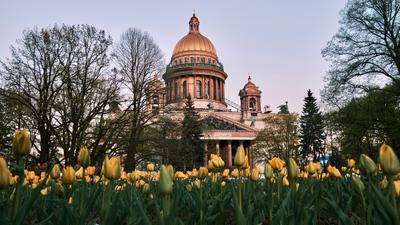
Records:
x=351, y=163
x=235, y=173
x=21, y=143
x=68, y=175
x=367, y=165
x=84, y=157
x=55, y=172
x=285, y=181
x=239, y=156
x=112, y=168
x=210, y=165
x=225, y=173
x=396, y=184
x=384, y=183
x=79, y=173
x=268, y=171
x=276, y=163
x=388, y=160
x=255, y=174
x=165, y=183
x=150, y=167
x=4, y=174
x=196, y=184
x=358, y=183
x=293, y=168
x=246, y=164
x=223, y=184
x=146, y=187
x=170, y=170
x=203, y=172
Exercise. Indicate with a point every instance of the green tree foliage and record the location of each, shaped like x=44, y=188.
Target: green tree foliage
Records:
x=311, y=129
x=279, y=138
x=366, y=122
x=192, y=148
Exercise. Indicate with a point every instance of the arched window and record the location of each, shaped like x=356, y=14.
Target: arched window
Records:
x=155, y=104
x=184, y=89
x=198, y=89
x=253, y=104
x=176, y=90
x=215, y=89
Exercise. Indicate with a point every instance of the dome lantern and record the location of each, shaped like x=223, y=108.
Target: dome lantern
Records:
x=194, y=24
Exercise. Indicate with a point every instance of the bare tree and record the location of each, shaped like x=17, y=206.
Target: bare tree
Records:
x=31, y=78
x=365, y=52
x=88, y=87
x=60, y=77
x=137, y=58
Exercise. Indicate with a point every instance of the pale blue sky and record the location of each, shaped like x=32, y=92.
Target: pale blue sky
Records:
x=277, y=41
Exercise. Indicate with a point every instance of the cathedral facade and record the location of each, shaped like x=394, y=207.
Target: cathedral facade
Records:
x=195, y=70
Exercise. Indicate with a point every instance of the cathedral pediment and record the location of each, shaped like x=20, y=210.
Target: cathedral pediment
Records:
x=213, y=122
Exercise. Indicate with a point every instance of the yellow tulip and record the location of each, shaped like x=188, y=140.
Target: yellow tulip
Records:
x=311, y=168
x=246, y=164
x=239, y=157
x=55, y=172
x=276, y=163
x=84, y=157
x=4, y=174
x=210, y=165
x=112, y=168
x=30, y=176
x=285, y=181
x=396, y=184
x=21, y=143
x=293, y=168
x=235, y=173
x=225, y=173
x=388, y=160
x=255, y=174
x=351, y=163
x=268, y=171
x=90, y=170
x=334, y=172
x=180, y=175
x=194, y=173
x=203, y=172
x=79, y=173
x=367, y=165
x=68, y=175
x=214, y=157
x=165, y=183
x=150, y=167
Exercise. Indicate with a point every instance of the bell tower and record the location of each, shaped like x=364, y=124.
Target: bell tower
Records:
x=250, y=100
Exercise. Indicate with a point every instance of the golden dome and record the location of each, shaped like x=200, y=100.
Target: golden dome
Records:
x=194, y=43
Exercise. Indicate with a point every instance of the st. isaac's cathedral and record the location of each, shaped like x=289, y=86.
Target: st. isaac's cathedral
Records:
x=196, y=70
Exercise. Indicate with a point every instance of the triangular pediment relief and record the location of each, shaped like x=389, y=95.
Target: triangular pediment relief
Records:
x=214, y=122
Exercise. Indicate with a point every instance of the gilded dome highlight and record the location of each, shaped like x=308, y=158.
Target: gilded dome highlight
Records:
x=194, y=43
